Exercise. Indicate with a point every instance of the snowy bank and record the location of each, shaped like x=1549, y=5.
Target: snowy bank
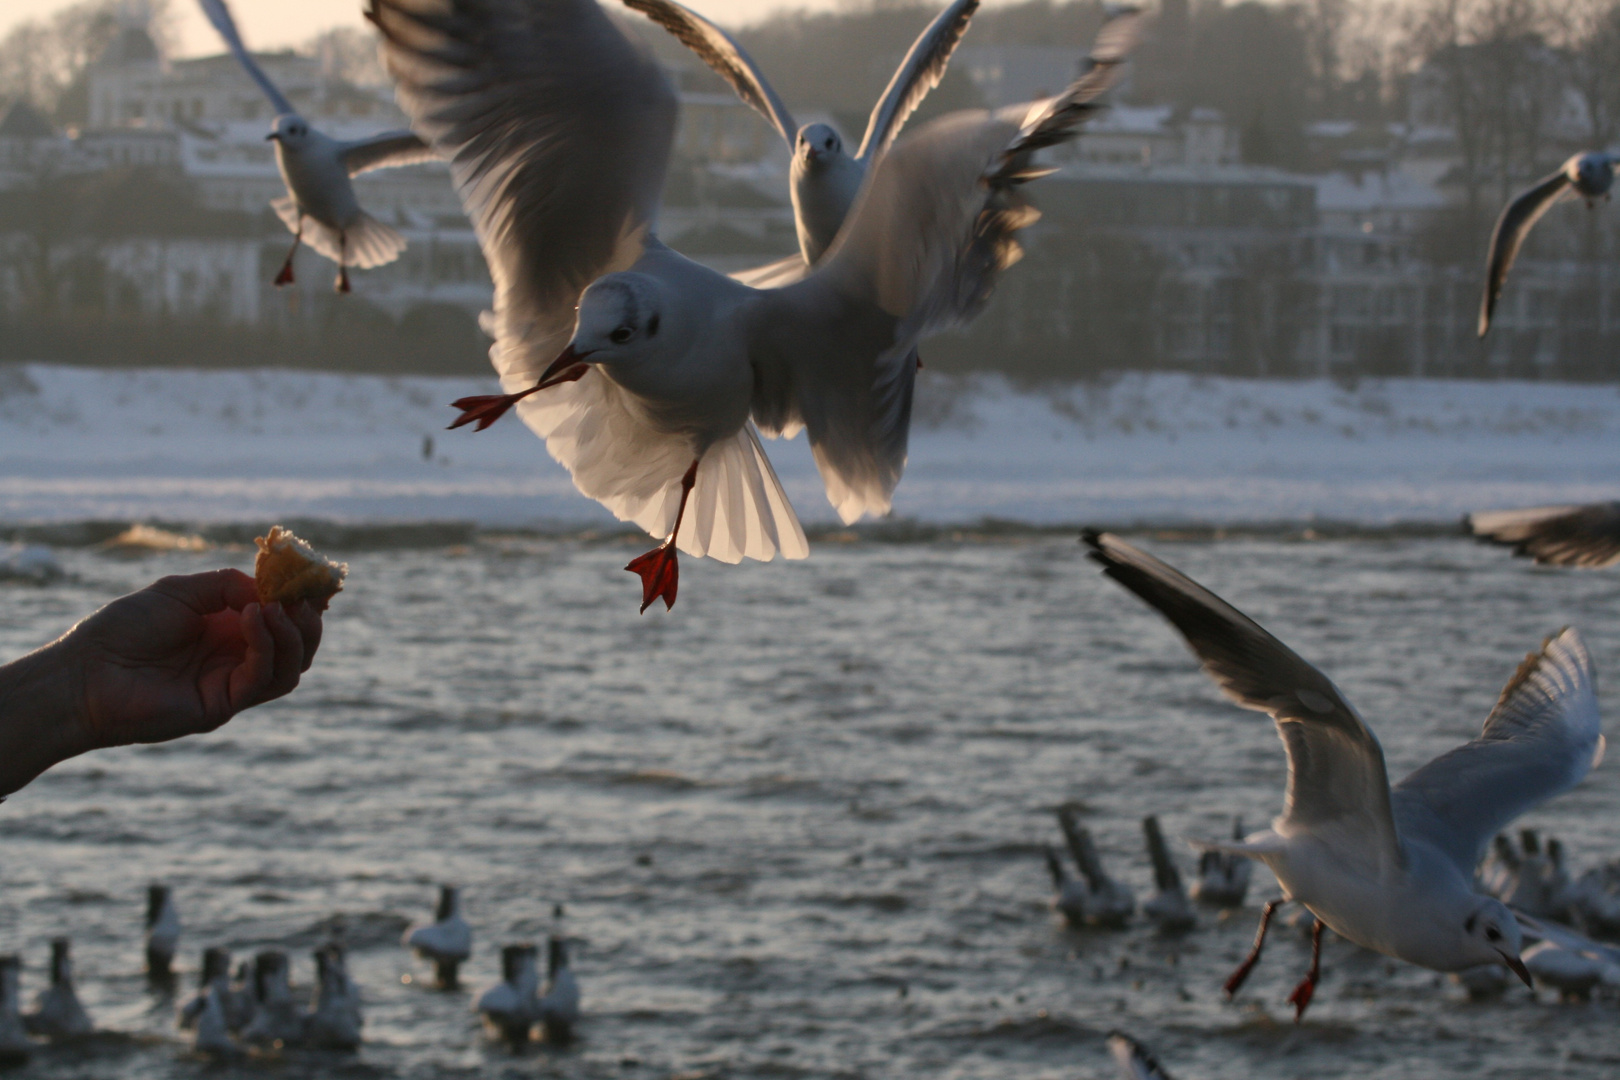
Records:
x=78, y=444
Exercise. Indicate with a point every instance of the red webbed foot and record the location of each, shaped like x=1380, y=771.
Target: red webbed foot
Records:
x=484, y=409
x=286, y=275
x=342, y=283
x=660, y=575
x=1300, y=999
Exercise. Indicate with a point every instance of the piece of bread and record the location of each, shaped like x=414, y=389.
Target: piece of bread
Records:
x=287, y=569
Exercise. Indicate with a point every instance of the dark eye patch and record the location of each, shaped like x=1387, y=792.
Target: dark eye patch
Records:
x=1469, y=925
x=652, y=326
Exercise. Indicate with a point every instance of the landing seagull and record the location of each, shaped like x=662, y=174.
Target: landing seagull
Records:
x=652, y=365
x=1589, y=175
x=823, y=178
x=318, y=171
x=1389, y=869
x=162, y=931
x=1586, y=536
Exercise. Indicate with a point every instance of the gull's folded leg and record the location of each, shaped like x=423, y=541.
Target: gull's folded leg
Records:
x=285, y=277
x=488, y=408
x=1300, y=999
x=342, y=283
x=1236, y=980
x=659, y=569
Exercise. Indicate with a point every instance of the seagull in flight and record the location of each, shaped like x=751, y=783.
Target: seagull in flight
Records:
x=1589, y=175
x=647, y=373
x=824, y=177
x=1586, y=536
x=1391, y=869
x=318, y=171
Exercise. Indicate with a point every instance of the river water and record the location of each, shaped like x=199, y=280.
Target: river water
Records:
x=797, y=824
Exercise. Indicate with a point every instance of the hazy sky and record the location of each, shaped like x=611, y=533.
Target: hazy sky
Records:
x=268, y=24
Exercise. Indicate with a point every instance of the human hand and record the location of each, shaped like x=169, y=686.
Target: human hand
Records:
x=184, y=655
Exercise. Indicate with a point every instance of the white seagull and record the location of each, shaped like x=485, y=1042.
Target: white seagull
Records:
x=276, y=1019
x=511, y=1006
x=1168, y=907
x=646, y=368
x=1585, y=536
x=447, y=940
x=334, y=1019
x=215, y=974
x=1389, y=869
x=15, y=1045
x=1589, y=175
x=558, y=1008
x=1135, y=1061
x=57, y=1013
x=1109, y=903
x=318, y=171
x=1223, y=879
x=824, y=178
x=162, y=931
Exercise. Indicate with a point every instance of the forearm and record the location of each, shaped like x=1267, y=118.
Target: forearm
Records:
x=41, y=714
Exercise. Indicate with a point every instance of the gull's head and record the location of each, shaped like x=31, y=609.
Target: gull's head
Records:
x=1592, y=174
x=620, y=318
x=1493, y=937
x=817, y=144
x=290, y=130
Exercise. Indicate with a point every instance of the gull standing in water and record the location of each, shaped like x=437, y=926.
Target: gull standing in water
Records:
x=824, y=178
x=318, y=171
x=1135, y=1061
x=1109, y=903
x=1223, y=879
x=1589, y=175
x=1168, y=907
x=1389, y=869
x=1585, y=536
x=447, y=940
x=57, y=1013
x=647, y=373
x=558, y=1007
x=162, y=931
x=15, y=1045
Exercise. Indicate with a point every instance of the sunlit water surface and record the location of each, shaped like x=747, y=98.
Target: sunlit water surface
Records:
x=797, y=823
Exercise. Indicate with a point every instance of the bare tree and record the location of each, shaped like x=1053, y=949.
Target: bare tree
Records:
x=347, y=55
x=43, y=60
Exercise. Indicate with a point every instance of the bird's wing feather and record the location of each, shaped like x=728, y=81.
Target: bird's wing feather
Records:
x=389, y=150
x=1557, y=535
x=1337, y=786
x=774, y=275
x=931, y=231
x=220, y=16
x=921, y=71
x=1512, y=227
x=558, y=133
x=729, y=60
x=1541, y=739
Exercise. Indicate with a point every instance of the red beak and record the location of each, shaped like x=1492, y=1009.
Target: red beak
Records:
x=563, y=365
x=1516, y=966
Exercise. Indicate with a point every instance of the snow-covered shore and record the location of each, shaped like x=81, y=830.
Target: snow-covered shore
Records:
x=80, y=444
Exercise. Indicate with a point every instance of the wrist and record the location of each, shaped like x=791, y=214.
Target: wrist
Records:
x=42, y=713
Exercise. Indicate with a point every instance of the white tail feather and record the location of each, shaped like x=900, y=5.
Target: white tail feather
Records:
x=369, y=242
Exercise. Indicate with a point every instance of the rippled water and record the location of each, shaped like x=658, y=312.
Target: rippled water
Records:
x=797, y=823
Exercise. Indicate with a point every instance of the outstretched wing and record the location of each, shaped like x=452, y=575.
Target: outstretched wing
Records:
x=389, y=150
x=220, y=16
x=1587, y=536
x=1336, y=779
x=1541, y=740
x=932, y=229
x=729, y=60
x=921, y=71
x=1512, y=227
